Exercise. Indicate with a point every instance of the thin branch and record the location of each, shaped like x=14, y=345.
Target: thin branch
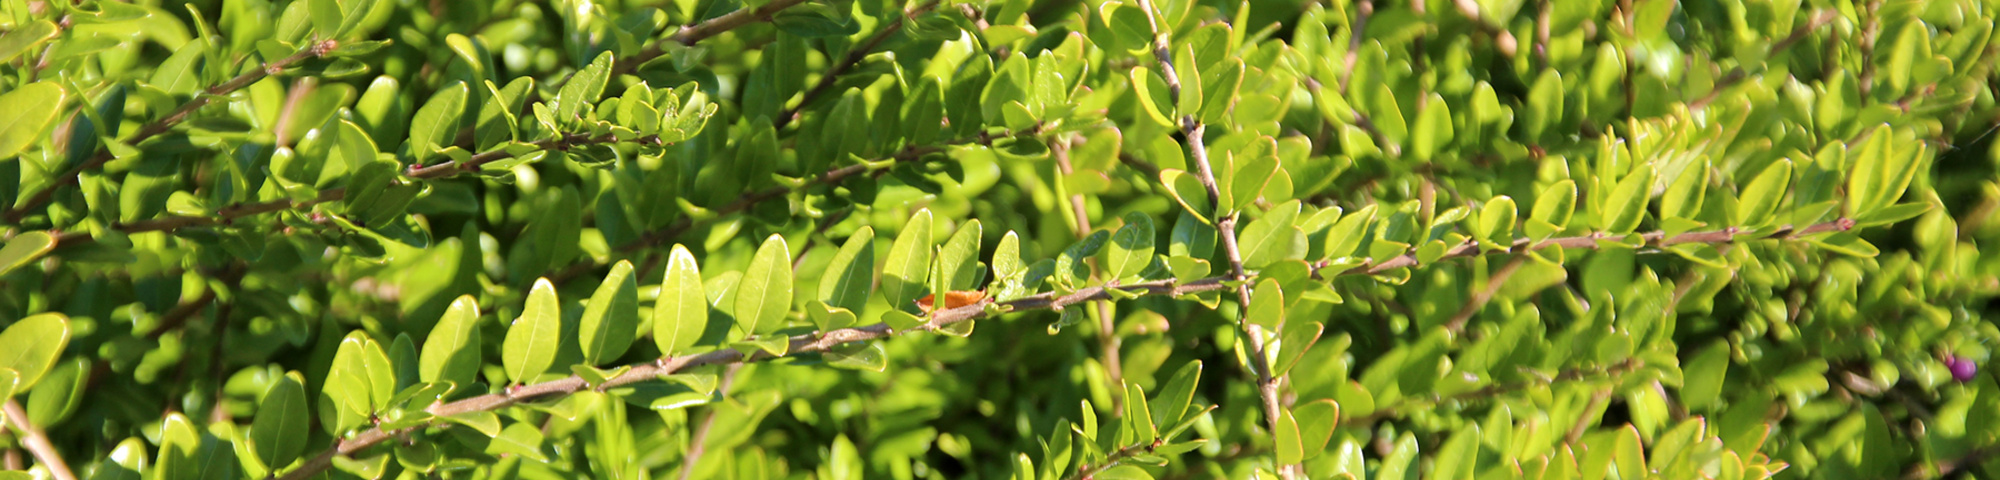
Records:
x=691, y=34
x=804, y=344
x=695, y=447
x=36, y=441
x=854, y=57
x=168, y=122
x=1493, y=284
x=1193, y=130
x=1107, y=329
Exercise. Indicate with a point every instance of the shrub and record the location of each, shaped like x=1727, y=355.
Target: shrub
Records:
x=1569, y=239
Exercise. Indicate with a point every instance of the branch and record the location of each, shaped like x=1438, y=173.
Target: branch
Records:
x=854, y=57
x=820, y=343
x=691, y=34
x=1191, y=127
x=1107, y=331
x=36, y=441
x=150, y=130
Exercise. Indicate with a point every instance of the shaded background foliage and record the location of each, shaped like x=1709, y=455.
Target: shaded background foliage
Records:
x=1487, y=238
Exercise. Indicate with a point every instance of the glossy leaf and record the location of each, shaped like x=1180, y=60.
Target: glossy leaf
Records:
x=451, y=351
x=611, y=318
x=765, y=293
x=30, y=347
x=909, y=261
x=530, y=347
x=29, y=109
x=851, y=277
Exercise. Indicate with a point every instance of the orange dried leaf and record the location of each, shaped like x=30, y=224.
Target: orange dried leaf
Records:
x=952, y=299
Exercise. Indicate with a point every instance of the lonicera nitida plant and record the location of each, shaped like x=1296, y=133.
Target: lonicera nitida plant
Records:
x=1199, y=239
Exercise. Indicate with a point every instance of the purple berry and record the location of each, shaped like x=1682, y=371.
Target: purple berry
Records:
x=1962, y=369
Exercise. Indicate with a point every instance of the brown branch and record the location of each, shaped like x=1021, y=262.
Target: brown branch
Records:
x=1107, y=339
x=160, y=126
x=691, y=34
x=695, y=447
x=36, y=441
x=854, y=57
x=1493, y=284
x=801, y=344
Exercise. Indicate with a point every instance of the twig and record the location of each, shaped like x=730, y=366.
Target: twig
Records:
x=854, y=57
x=695, y=447
x=1107, y=339
x=1493, y=284
x=160, y=126
x=802, y=344
x=36, y=441
x=691, y=34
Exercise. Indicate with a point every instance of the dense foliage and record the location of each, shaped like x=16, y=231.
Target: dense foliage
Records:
x=1198, y=238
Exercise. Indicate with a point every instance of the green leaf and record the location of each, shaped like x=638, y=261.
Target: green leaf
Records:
x=1626, y=205
x=1131, y=249
x=959, y=260
x=1222, y=88
x=279, y=431
x=681, y=316
x=532, y=340
x=24, y=38
x=1316, y=420
x=1433, y=129
x=24, y=249
x=1189, y=102
x=1880, y=174
x=1759, y=198
x=851, y=277
x=180, y=74
x=326, y=16
x=1123, y=472
x=1346, y=235
x=612, y=317
x=436, y=123
x=1846, y=243
x=1459, y=456
x=1299, y=336
x=29, y=109
x=909, y=262
x=1290, y=448
x=1188, y=190
x=1267, y=305
x=1544, y=107
x=1495, y=228
x=1249, y=180
x=1071, y=268
x=1553, y=208
x=582, y=91
x=519, y=438
x=1274, y=237
x=1684, y=196
x=497, y=122
x=858, y=356
x=1138, y=417
x=485, y=422
x=1172, y=402
x=1153, y=94
x=451, y=351
x=765, y=293
x=1704, y=374
x=31, y=346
